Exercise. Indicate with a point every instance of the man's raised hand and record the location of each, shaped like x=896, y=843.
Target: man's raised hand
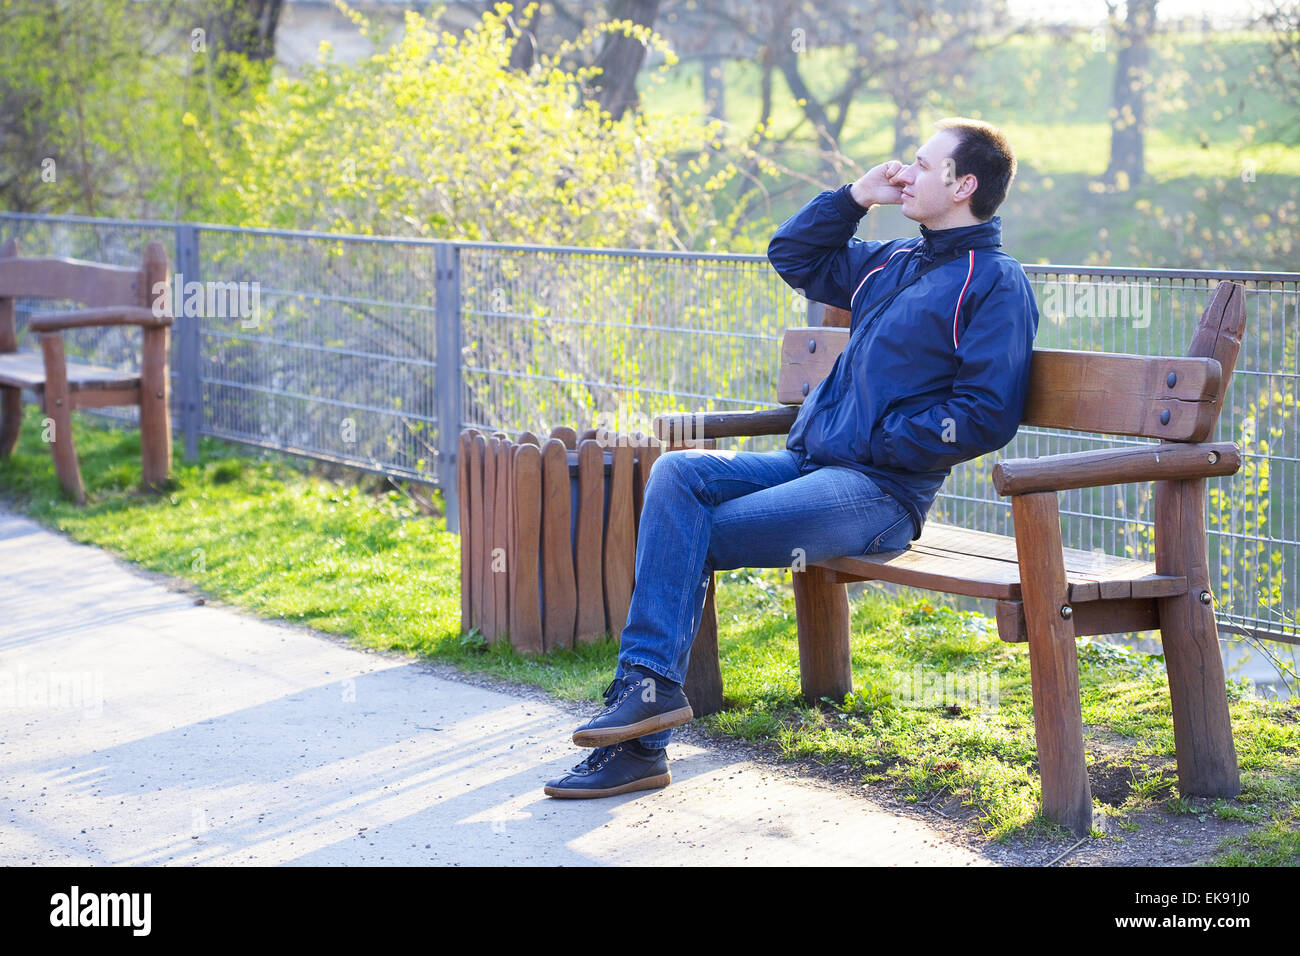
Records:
x=877, y=185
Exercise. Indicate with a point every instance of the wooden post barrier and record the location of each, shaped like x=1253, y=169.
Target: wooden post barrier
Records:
x=548, y=534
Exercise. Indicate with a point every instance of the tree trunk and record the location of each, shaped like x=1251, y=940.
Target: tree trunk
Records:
x=524, y=53
x=621, y=57
x=713, y=73
x=765, y=87
x=1128, y=114
x=243, y=27
x=248, y=27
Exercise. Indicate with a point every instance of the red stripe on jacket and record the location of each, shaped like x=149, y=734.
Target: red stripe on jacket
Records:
x=875, y=270
x=956, y=315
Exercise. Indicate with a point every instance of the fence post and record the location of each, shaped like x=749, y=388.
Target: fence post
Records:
x=447, y=381
x=189, y=388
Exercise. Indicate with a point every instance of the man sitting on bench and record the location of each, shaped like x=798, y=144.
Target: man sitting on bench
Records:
x=935, y=373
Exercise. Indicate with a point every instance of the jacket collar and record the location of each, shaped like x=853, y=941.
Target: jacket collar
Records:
x=947, y=242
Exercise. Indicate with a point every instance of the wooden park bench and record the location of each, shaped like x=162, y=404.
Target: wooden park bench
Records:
x=1046, y=594
x=112, y=295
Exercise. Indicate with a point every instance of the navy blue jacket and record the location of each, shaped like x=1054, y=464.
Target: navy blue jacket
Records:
x=934, y=378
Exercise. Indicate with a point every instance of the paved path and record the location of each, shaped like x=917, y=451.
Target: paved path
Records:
x=139, y=728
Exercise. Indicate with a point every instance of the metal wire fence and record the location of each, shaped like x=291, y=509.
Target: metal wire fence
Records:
x=358, y=349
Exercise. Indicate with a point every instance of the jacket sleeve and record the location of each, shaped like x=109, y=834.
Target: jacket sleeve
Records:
x=988, y=394
x=816, y=252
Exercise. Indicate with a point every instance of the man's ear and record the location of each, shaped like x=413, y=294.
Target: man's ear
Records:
x=966, y=188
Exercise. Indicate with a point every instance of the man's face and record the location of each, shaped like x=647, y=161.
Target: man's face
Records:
x=930, y=183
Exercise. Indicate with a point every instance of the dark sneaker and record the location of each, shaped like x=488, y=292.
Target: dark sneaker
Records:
x=610, y=771
x=640, y=703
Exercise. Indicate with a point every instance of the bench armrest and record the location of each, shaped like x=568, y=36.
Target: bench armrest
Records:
x=1114, y=466
x=109, y=315
x=687, y=426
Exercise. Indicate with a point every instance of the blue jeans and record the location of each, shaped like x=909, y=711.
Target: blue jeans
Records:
x=708, y=510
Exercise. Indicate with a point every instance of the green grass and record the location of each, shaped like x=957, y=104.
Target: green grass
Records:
x=1278, y=844
x=263, y=532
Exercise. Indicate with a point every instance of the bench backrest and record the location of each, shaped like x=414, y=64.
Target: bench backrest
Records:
x=93, y=284
x=1174, y=399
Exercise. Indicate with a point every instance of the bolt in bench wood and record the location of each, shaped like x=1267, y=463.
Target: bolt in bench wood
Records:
x=1047, y=595
x=113, y=295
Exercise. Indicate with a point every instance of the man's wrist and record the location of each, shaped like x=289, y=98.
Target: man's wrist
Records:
x=848, y=205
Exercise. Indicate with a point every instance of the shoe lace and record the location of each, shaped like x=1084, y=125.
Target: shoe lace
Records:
x=593, y=759
x=615, y=688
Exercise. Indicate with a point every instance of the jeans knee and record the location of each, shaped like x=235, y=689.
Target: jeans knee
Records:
x=671, y=467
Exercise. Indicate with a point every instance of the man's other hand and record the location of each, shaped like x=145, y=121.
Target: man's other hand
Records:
x=877, y=186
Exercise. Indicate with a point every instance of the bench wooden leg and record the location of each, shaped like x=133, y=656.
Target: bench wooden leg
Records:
x=11, y=419
x=1053, y=662
x=11, y=399
x=1207, y=759
x=704, y=672
x=821, y=607
x=155, y=412
x=58, y=407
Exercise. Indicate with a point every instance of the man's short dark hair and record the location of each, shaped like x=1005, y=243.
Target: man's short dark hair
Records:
x=982, y=151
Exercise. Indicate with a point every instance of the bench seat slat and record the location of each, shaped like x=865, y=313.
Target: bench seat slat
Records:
x=959, y=542
x=980, y=564
x=970, y=575
x=27, y=370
